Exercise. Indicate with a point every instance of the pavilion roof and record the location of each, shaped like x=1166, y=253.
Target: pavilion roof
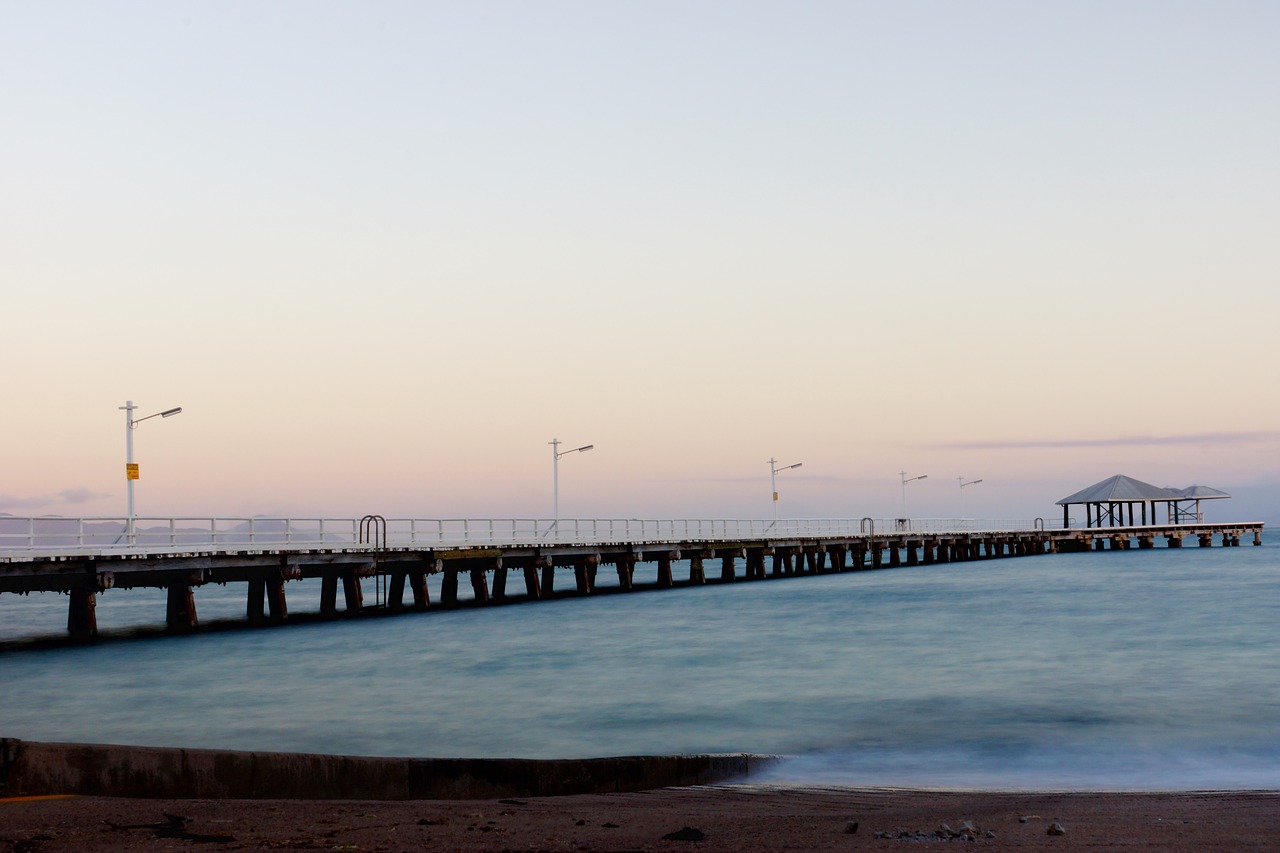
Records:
x=1200, y=493
x=1120, y=489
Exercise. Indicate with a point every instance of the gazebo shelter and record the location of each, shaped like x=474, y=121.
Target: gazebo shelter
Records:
x=1196, y=494
x=1105, y=503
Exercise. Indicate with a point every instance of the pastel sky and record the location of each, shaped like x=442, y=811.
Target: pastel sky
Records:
x=381, y=253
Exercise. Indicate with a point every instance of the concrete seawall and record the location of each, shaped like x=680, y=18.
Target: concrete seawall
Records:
x=29, y=768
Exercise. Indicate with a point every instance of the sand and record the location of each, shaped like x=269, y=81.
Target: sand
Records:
x=728, y=818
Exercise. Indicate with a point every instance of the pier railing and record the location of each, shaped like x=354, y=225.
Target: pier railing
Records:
x=31, y=537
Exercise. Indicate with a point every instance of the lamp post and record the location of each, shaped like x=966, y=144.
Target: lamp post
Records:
x=130, y=467
x=962, y=483
x=773, y=481
x=906, y=480
x=556, y=453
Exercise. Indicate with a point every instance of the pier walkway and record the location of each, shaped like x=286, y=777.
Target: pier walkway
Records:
x=84, y=557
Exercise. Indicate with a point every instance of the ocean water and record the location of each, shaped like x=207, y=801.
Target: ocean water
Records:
x=1135, y=669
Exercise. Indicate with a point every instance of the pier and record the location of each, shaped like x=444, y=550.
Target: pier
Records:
x=382, y=565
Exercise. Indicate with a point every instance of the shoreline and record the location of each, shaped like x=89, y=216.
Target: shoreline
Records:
x=36, y=768
x=708, y=819
x=84, y=796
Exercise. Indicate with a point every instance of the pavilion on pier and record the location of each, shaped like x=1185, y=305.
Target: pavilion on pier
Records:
x=1122, y=501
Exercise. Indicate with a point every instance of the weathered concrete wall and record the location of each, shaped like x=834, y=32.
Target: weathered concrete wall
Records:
x=33, y=768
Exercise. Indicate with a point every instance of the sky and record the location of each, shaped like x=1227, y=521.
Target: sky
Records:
x=382, y=253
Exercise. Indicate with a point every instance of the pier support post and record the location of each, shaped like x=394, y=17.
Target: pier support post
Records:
x=1226, y=539
x=531, y=589
x=837, y=557
x=548, y=579
x=1206, y=540
x=811, y=559
x=352, y=592
x=626, y=568
x=180, y=609
x=449, y=588
x=895, y=557
x=395, y=590
x=277, y=606
x=727, y=572
x=479, y=586
x=1257, y=537
x=913, y=556
x=499, y=591
x=696, y=574
x=328, y=594
x=418, y=584
x=82, y=616
x=582, y=574
x=926, y=552
x=877, y=555
x=779, y=562
x=254, y=609
x=665, y=581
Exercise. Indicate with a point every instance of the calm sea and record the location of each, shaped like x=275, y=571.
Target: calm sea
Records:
x=1128, y=670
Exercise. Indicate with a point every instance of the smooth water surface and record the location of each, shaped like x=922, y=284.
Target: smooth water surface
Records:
x=1131, y=669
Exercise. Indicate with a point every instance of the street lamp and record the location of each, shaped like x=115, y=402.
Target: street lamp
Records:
x=962, y=483
x=556, y=453
x=906, y=480
x=773, y=481
x=130, y=467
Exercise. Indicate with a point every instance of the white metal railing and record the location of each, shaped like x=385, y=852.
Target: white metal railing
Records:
x=54, y=536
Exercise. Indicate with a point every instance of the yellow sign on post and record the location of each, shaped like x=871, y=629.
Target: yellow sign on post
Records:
x=131, y=470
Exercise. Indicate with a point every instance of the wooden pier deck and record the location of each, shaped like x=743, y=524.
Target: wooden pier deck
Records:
x=544, y=566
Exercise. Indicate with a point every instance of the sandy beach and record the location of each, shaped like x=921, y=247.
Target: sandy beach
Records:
x=728, y=818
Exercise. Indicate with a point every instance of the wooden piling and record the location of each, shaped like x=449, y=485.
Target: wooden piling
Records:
x=626, y=568
x=582, y=575
x=418, y=585
x=696, y=574
x=395, y=590
x=82, y=616
x=257, y=601
x=352, y=592
x=180, y=608
x=449, y=588
x=479, y=587
x=277, y=606
x=665, y=581
x=531, y=588
x=499, y=590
